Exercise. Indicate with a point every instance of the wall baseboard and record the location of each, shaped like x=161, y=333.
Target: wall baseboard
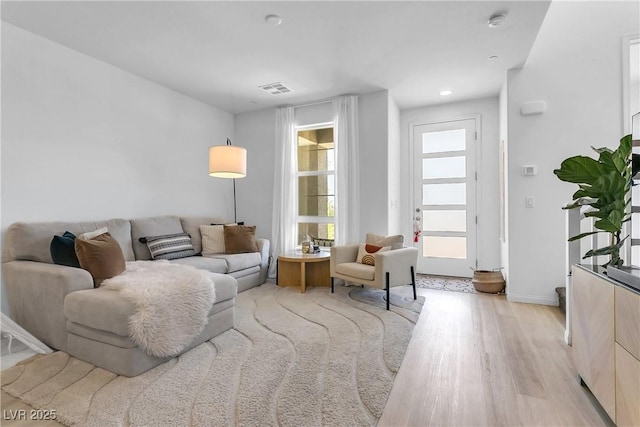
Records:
x=531, y=299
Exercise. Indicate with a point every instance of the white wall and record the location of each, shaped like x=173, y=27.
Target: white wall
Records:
x=487, y=157
x=256, y=132
x=395, y=170
x=575, y=66
x=84, y=140
x=374, y=172
x=504, y=139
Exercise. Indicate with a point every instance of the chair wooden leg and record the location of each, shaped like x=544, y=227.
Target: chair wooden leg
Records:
x=413, y=283
x=388, y=289
x=332, y=284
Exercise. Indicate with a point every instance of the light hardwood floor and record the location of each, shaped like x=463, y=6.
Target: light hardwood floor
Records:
x=479, y=360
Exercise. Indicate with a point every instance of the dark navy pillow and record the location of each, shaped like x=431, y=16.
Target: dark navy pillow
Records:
x=63, y=251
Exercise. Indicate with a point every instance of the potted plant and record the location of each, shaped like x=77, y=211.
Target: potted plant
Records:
x=604, y=185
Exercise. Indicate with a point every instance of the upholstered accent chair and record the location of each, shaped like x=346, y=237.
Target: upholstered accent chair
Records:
x=390, y=265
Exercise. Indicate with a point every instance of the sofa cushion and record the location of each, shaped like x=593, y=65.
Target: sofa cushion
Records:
x=124, y=341
x=63, y=250
x=99, y=308
x=237, y=262
x=356, y=270
x=30, y=241
x=209, y=264
x=226, y=287
x=100, y=256
x=246, y=272
x=191, y=226
x=155, y=226
x=105, y=310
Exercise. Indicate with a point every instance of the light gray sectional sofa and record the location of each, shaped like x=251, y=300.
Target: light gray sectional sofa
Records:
x=59, y=305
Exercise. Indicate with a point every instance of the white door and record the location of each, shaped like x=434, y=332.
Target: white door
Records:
x=445, y=197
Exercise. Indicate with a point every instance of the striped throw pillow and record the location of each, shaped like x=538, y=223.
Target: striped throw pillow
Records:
x=170, y=246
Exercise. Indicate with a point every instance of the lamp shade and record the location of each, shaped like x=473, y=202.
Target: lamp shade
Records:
x=227, y=161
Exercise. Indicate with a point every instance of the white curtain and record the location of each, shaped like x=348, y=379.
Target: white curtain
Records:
x=285, y=186
x=347, y=202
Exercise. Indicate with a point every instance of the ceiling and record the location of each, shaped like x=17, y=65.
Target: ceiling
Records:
x=220, y=52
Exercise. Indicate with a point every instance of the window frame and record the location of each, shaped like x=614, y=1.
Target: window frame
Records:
x=298, y=174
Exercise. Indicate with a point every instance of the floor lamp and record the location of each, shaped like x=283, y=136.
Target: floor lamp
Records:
x=227, y=161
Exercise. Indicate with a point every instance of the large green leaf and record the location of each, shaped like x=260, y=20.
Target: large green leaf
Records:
x=579, y=169
x=607, y=250
x=581, y=235
x=624, y=149
x=607, y=158
x=606, y=225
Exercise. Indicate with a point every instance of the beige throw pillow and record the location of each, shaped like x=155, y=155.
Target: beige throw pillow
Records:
x=366, y=253
x=93, y=234
x=212, y=239
x=101, y=256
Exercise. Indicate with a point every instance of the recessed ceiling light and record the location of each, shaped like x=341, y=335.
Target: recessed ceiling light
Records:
x=496, y=19
x=274, y=20
x=493, y=57
x=445, y=92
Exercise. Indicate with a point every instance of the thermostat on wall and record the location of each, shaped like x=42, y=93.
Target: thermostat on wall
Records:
x=529, y=170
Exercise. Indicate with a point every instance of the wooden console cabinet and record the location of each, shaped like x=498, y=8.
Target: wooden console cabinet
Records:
x=594, y=336
x=606, y=343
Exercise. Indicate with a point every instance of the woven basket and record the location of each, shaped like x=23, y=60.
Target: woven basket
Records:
x=490, y=282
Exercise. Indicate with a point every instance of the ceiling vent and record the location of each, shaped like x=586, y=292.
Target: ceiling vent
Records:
x=275, y=88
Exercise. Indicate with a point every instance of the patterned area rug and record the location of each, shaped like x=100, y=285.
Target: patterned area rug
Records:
x=292, y=360
x=445, y=283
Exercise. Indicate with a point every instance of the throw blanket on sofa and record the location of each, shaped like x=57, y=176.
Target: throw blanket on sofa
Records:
x=172, y=304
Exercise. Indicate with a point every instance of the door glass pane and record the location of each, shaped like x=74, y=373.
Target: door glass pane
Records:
x=444, y=220
x=444, y=247
x=447, y=140
x=444, y=194
x=316, y=195
x=315, y=150
x=444, y=167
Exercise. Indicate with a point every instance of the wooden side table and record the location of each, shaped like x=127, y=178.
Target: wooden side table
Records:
x=298, y=269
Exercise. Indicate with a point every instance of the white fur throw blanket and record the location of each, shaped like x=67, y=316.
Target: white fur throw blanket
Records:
x=172, y=304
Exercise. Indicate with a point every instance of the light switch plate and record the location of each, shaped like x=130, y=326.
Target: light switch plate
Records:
x=529, y=201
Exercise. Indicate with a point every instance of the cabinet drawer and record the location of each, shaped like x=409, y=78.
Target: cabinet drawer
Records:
x=627, y=388
x=628, y=320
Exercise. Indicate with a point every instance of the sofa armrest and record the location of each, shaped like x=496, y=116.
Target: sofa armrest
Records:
x=397, y=263
x=36, y=292
x=264, y=246
x=342, y=254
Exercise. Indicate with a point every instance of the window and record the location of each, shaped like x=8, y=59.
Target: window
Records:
x=316, y=185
